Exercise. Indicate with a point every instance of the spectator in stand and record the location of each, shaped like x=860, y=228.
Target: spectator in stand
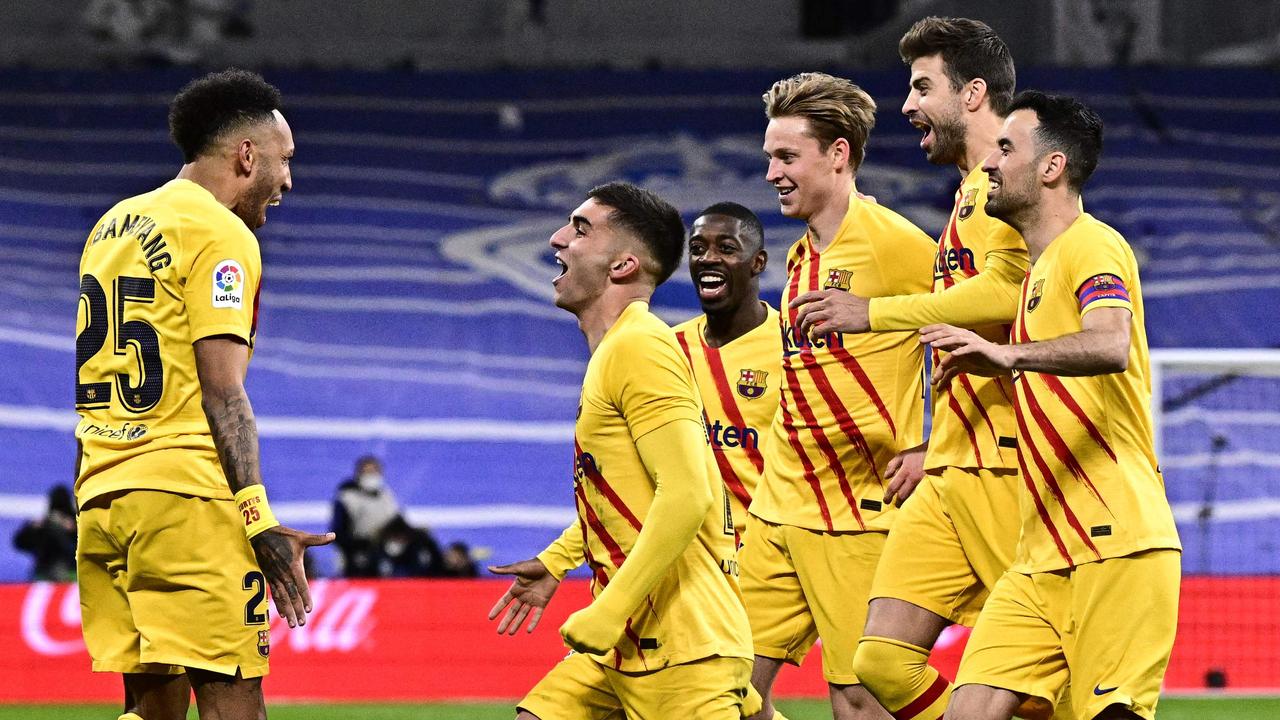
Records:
x=362, y=510
x=52, y=538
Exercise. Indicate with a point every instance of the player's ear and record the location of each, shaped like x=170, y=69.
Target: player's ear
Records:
x=624, y=268
x=759, y=262
x=975, y=92
x=1053, y=168
x=246, y=156
x=839, y=153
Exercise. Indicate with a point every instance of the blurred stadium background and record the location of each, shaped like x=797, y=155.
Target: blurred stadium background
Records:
x=406, y=312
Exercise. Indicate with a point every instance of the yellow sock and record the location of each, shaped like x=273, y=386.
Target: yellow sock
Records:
x=898, y=674
x=777, y=715
x=130, y=716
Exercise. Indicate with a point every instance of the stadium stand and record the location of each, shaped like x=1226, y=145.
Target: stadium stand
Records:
x=406, y=310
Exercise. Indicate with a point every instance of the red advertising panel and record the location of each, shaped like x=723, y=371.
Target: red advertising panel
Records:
x=430, y=640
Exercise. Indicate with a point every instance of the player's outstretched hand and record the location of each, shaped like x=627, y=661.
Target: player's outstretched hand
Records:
x=279, y=551
x=528, y=595
x=967, y=353
x=827, y=311
x=592, y=630
x=904, y=472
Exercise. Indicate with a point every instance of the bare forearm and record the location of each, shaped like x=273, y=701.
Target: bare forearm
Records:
x=988, y=298
x=1088, y=352
x=235, y=434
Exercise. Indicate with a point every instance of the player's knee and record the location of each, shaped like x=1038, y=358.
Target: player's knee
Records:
x=895, y=672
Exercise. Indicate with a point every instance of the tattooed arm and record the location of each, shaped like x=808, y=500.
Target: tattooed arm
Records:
x=222, y=363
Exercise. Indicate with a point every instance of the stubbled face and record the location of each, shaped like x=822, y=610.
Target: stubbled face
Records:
x=935, y=109
x=804, y=175
x=584, y=249
x=270, y=178
x=1013, y=167
x=723, y=264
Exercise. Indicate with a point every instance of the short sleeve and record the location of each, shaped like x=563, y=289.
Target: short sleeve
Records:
x=221, y=292
x=1100, y=270
x=652, y=381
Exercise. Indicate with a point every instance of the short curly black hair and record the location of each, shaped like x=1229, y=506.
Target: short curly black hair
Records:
x=209, y=106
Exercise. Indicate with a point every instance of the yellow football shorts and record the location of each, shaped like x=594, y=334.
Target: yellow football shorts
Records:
x=953, y=539
x=1106, y=626
x=167, y=582
x=800, y=584
x=580, y=688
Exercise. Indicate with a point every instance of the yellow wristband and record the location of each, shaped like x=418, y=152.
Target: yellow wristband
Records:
x=253, y=507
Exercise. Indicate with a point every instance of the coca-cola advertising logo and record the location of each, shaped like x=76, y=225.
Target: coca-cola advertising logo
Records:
x=342, y=619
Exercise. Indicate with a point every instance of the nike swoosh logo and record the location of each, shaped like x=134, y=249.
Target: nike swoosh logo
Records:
x=1103, y=691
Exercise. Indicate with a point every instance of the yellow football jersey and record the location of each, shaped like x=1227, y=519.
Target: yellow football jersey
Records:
x=159, y=271
x=739, y=385
x=637, y=381
x=849, y=403
x=1086, y=454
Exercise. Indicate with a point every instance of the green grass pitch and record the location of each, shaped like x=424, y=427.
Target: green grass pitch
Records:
x=1220, y=708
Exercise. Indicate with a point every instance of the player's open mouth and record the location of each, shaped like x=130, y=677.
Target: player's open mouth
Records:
x=783, y=192
x=926, y=132
x=564, y=269
x=712, y=285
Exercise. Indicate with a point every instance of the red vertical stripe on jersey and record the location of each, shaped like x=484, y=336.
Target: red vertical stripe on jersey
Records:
x=598, y=577
x=851, y=364
x=1060, y=448
x=727, y=472
x=810, y=475
x=922, y=703
x=982, y=410
x=824, y=445
x=606, y=490
x=1020, y=321
x=1042, y=511
x=727, y=400
x=635, y=639
x=959, y=412
x=1051, y=483
x=598, y=529
x=1061, y=391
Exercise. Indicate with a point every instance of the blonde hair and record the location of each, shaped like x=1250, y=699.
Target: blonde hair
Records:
x=834, y=107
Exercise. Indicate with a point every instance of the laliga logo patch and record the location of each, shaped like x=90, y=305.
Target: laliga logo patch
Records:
x=228, y=285
x=838, y=279
x=968, y=203
x=751, y=383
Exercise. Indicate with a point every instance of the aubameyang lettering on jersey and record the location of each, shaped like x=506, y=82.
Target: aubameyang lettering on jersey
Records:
x=743, y=436
x=584, y=465
x=140, y=227
x=794, y=341
x=948, y=262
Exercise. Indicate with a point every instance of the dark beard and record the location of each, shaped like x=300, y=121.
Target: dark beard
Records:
x=948, y=142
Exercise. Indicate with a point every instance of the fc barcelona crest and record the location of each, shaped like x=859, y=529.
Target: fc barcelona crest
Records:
x=838, y=279
x=264, y=643
x=751, y=383
x=968, y=203
x=1034, y=301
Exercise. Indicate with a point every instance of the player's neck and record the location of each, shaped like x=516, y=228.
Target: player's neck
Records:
x=824, y=224
x=1056, y=213
x=203, y=173
x=596, y=319
x=728, y=325
x=980, y=134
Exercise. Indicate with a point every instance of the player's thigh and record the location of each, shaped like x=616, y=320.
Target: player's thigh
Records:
x=1125, y=613
x=198, y=597
x=983, y=506
x=711, y=688
x=575, y=689
x=782, y=626
x=941, y=580
x=110, y=635
x=836, y=570
x=1016, y=644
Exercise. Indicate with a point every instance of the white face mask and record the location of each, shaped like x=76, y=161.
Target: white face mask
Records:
x=370, y=481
